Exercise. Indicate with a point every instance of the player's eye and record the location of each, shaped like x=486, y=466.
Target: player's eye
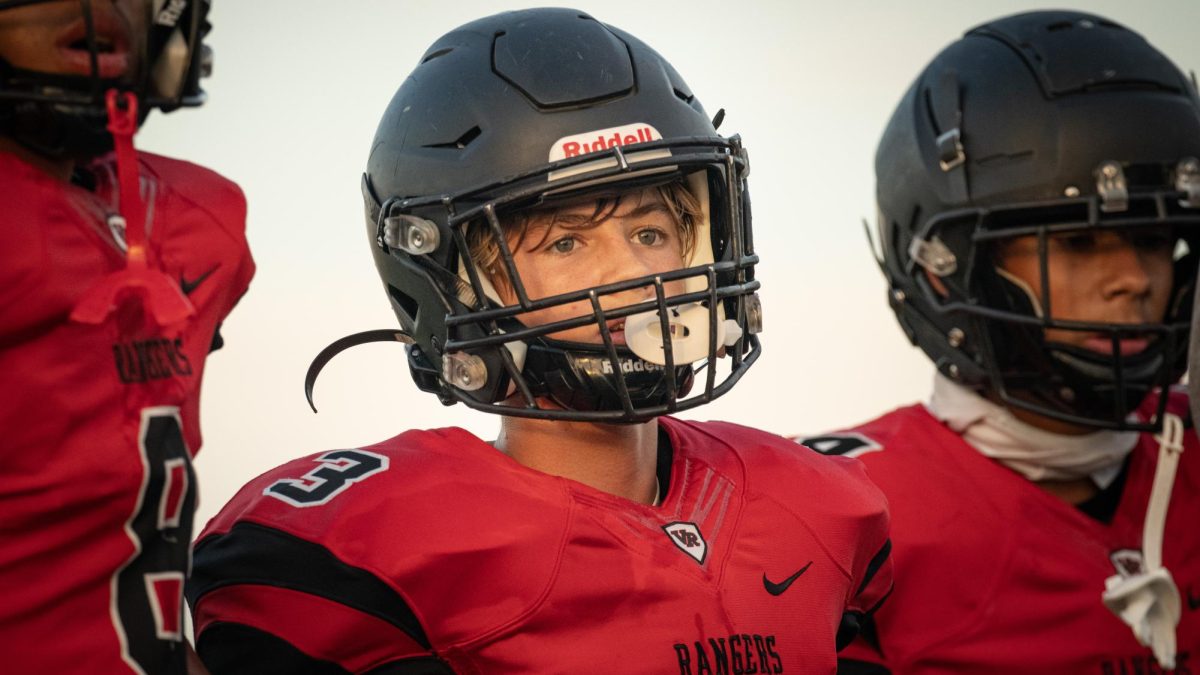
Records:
x=650, y=237
x=1152, y=240
x=563, y=245
x=1079, y=242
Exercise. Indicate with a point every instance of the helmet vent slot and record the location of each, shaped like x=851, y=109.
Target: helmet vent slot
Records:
x=404, y=301
x=441, y=52
x=461, y=142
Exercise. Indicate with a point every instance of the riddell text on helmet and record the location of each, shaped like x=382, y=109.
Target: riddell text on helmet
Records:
x=602, y=139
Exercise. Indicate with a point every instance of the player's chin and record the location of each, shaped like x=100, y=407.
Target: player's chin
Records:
x=516, y=400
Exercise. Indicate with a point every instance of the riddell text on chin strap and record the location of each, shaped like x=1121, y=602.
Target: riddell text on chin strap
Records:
x=160, y=295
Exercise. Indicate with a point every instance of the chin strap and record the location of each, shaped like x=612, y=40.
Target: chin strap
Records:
x=341, y=345
x=1148, y=600
x=161, y=296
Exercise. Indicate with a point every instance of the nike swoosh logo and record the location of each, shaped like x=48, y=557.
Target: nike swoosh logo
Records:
x=779, y=588
x=188, y=286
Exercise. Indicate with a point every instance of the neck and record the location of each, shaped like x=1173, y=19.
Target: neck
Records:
x=1073, y=492
x=619, y=459
x=56, y=167
x=1050, y=424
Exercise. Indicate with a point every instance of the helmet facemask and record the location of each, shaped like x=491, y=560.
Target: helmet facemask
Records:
x=1033, y=355
x=500, y=357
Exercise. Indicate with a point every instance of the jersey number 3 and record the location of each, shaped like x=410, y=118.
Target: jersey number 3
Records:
x=148, y=594
x=338, y=470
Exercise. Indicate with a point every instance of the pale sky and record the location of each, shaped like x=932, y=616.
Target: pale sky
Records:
x=300, y=85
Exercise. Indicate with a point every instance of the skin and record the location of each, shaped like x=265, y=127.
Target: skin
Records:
x=31, y=38
x=639, y=239
x=1123, y=278
x=194, y=665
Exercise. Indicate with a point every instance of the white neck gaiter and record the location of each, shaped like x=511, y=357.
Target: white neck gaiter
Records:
x=1034, y=453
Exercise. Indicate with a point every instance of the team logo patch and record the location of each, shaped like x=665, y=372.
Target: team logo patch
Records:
x=688, y=538
x=602, y=139
x=1129, y=562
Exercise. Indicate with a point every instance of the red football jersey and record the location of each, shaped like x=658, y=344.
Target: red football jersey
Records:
x=434, y=552
x=995, y=575
x=100, y=421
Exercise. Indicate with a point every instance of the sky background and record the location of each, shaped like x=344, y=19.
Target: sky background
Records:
x=294, y=101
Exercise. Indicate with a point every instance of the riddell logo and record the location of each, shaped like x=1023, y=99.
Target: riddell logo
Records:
x=603, y=139
x=169, y=16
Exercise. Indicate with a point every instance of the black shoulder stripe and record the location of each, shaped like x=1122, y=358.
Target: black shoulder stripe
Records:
x=233, y=649
x=876, y=562
x=255, y=554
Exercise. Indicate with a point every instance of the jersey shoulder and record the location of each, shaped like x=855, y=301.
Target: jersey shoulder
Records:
x=424, y=480
x=774, y=464
x=949, y=504
x=905, y=449
x=832, y=496
x=952, y=509
x=201, y=187
x=422, y=514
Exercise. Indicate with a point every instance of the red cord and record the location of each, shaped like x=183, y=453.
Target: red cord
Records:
x=122, y=124
x=160, y=295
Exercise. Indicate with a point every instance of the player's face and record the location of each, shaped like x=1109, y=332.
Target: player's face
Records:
x=1110, y=276
x=51, y=37
x=568, y=250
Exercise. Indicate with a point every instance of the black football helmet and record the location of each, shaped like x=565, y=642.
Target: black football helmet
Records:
x=1043, y=124
x=65, y=115
x=529, y=109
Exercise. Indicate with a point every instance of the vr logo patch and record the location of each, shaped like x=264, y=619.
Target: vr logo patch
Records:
x=688, y=538
x=1129, y=562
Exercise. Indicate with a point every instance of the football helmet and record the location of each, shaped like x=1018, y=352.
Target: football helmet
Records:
x=1045, y=124
x=523, y=111
x=65, y=115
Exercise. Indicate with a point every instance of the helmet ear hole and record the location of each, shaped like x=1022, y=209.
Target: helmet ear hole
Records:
x=405, y=304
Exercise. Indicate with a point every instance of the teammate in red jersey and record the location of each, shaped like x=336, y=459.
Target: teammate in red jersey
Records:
x=1039, y=193
x=110, y=300
x=546, y=201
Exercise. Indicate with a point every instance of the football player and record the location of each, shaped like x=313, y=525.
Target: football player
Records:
x=1039, y=200
x=118, y=268
x=565, y=239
